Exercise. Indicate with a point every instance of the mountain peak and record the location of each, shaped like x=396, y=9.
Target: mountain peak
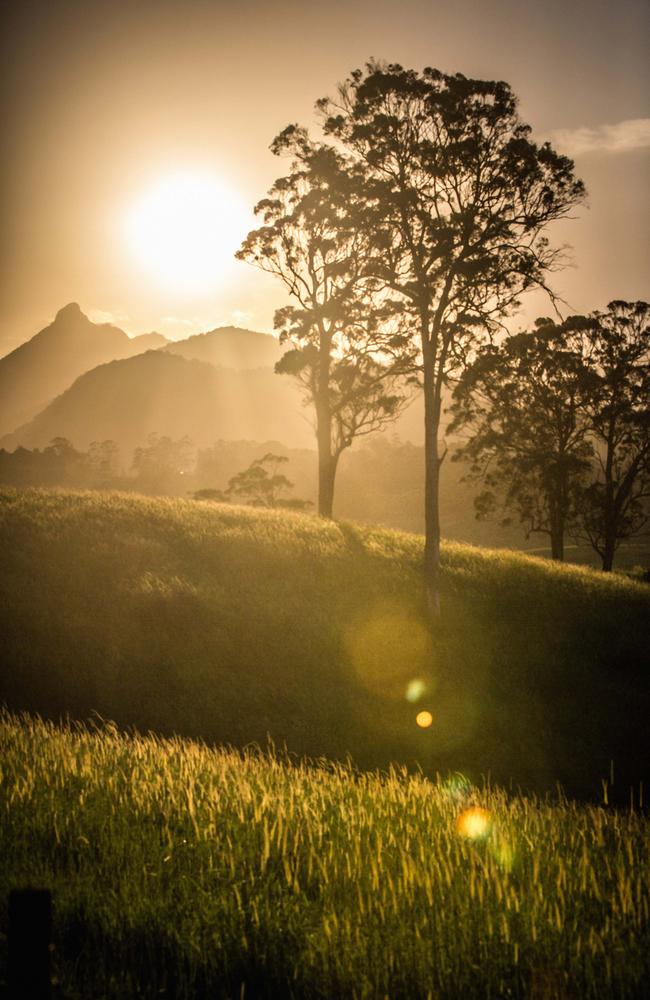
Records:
x=71, y=311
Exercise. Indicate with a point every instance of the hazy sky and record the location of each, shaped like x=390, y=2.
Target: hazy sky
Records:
x=103, y=101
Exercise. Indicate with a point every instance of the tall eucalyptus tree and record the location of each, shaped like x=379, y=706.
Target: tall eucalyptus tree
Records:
x=457, y=198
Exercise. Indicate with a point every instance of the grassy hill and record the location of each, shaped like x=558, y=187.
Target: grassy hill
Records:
x=181, y=871
x=232, y=624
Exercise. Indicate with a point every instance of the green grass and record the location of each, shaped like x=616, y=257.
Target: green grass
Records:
x=231, y=624
x=184, y=871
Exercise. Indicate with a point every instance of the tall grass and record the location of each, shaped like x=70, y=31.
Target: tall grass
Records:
x=185, y=871
x=231, y=624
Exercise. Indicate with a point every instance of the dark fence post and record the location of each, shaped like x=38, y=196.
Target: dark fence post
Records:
x=30, y=935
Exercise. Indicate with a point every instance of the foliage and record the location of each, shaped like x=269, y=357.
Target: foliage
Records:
x=207, y=494
x=458, y=199
x=615, y=346
x=188, y=871
x=522, y=404
x=338, y=348
x=558, y=424
x=261, y=485
x=231, y=623
x=60, y=463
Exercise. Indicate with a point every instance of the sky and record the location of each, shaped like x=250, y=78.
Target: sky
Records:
x=104, y=105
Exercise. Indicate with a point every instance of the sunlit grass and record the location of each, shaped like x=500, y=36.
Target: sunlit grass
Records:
x=185, y=871
x=231, y=624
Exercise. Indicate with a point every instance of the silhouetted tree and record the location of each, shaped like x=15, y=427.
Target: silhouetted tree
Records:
x=522, y=404
x=615, y=346
x=207, y=494
x=338, y=345
x=457, y=198
x=262, y=485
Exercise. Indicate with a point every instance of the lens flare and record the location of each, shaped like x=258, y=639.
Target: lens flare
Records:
x=424, y=719
x=415, y=689
x=457, y=786
x=386, y=649
x=474, y=823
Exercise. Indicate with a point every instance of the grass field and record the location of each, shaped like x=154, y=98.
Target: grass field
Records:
x=185, y=871
x=231, y=624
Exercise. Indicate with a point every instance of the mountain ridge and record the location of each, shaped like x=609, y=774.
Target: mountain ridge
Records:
x=41, y=368
x=229, y=347
x=127, y=399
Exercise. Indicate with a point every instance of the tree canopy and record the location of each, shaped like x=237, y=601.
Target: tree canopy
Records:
x=558, y=427
x=615, y=346
x=520, y=405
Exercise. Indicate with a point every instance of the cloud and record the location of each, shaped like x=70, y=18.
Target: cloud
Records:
x=239, y=317
x=623, y=137
x=102, y=316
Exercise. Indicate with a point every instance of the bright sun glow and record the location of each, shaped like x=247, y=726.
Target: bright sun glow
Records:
x=185, y=229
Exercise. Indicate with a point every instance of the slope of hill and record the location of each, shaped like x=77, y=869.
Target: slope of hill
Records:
x=230, y=347
x=232, y=624
x=40, y=369
x=164, y=393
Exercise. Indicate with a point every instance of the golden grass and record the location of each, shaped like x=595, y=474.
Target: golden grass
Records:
x=185, y=871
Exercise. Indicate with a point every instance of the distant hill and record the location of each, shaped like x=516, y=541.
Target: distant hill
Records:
x=230, y=347
x=43, y=367
x=164, y=393
x=147, y=342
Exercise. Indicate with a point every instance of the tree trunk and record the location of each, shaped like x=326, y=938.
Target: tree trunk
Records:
x=431, y=494
x=609, y=549
x=556, y=525
x=557, y=544
x=326, y=462
x=326, y=477
x=609, y=546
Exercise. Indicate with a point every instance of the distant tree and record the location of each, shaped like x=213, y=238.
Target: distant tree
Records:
x=457, y=199
x=207, y=494
x=338, y=344
x=103, y=457
x=262, y=485
x=615, y=347
x=161, y=464
x=61, y=463
x=521, y=404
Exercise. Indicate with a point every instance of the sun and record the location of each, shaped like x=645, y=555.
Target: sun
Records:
x=184, y=229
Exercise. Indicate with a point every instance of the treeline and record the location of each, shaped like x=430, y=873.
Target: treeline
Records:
x=379, y=482
x=158, y=467
x=60, y=464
